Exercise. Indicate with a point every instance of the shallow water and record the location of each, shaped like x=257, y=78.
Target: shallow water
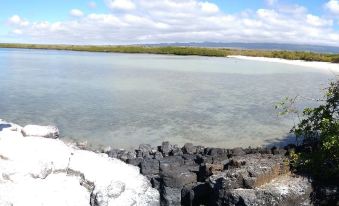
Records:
x=127, y=99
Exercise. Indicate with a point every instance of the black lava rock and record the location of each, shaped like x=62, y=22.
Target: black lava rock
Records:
x=165, y=148
x=238, y=151
x=189, y=149
x=149, y=166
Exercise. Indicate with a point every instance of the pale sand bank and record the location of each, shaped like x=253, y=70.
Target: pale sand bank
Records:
x=325, y=66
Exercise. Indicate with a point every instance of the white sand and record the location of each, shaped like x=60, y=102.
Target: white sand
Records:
x=325, y=66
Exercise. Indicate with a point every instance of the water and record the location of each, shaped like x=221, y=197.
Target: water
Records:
x=127, y=99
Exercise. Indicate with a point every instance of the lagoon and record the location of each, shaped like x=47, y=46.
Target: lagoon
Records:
x=124, y=100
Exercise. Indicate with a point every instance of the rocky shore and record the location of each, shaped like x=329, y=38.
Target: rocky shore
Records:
x=38, y=169
x=197, y=175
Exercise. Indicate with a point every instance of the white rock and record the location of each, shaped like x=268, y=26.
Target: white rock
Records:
x=41, y=131
x=100, y=168
x=55, y=190
x=42, y=171
x=6, y=126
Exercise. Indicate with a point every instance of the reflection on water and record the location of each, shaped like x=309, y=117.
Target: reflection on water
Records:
x=127, y=99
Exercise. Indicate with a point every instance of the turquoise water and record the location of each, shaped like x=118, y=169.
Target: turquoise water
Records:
x=127, y=99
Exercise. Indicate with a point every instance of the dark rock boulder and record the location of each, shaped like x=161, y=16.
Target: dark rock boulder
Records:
x=230, y=179
x=176, y=151
x=170, y=196
x=206, y=170
x=222, y=159
x=214, y=168
x=195, y=194
x=284, y=191
x=238, y=151
x=158, y=155
x=149, y=167
x=217, y=152
x=121, y=154
x=189, y=159
x=165, y=148
x=156, y=182
x=178, y=177
x=145, y=150
x=171, y=162
x=200, y=149
x=203, y=159
x=189, y=149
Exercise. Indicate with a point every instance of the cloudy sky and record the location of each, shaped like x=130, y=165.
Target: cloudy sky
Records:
x=155, y=21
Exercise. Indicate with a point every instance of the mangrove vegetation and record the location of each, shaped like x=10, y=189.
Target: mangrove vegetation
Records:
x=176, y=50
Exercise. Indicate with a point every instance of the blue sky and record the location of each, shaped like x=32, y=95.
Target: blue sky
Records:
x=315, y=6
x=154, y=21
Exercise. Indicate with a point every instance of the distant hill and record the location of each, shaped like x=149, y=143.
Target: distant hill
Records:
x=263, y=46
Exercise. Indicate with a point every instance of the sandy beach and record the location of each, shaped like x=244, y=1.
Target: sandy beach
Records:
x=325, y=66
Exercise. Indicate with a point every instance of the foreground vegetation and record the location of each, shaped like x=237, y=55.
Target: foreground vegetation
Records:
x=216, y=52
x=318, y=131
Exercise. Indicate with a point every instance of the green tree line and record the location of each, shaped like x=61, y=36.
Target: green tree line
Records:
x=175, y=50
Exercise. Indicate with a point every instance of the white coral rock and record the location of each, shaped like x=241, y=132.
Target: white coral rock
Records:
x=41, y=171
x=41, y=131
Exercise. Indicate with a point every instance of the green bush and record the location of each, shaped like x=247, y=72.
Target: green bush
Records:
x=335, y=59
x=319, y=132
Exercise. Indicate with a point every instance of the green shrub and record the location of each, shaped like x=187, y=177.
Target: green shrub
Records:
x=335, y=59
x=319, y=132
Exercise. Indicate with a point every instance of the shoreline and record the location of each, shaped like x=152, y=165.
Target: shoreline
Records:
x=35, y=163
x=324, y=66
x=164, y=175
x=184, y=51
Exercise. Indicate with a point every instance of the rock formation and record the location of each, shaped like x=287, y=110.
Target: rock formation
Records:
x=196, y=175
x=35, y=170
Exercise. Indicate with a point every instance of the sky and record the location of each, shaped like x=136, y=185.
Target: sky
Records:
x=114, y=22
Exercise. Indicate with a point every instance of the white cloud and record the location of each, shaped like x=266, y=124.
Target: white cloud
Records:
x=271, y=2
x=121, y=4
x=92, y=4
x=317, y=21
x=333, y=6
x=208, y=7
x=17, y=31
x=17, y=20
x=145, y=21
x=267, y=13
x=294, y=9
x=76, y=13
